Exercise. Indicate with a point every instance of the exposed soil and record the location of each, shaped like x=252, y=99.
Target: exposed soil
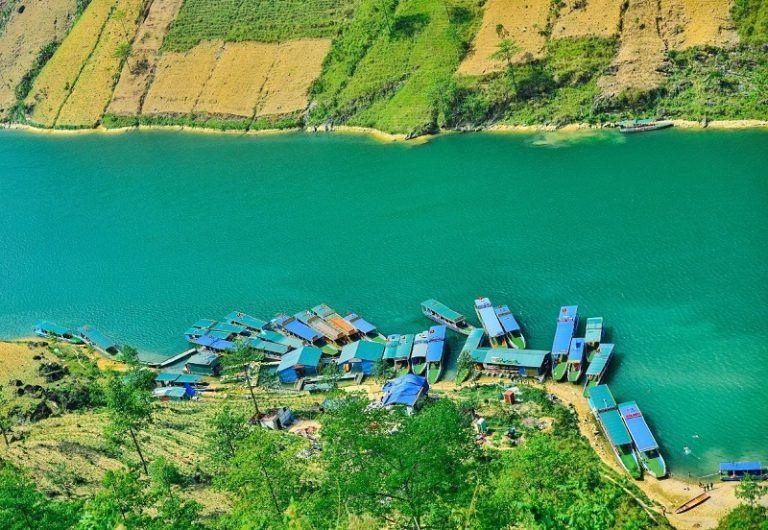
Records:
x=588, y=18
x=688, y=23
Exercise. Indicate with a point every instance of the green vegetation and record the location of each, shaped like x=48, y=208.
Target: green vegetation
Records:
x=289, y=121
x=260, y=20
x=751, y=17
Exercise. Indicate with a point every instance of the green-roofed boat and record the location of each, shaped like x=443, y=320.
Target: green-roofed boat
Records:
x=604, y=407
x=442, y=314
x=464, y=363
x=598, y=366
x=48, y=330
x=419, y=353
x=403, y=355
x=593, y=336
x=634, y=126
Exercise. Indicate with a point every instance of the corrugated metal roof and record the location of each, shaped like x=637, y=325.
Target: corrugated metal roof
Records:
x=638, y=429
x=305, y=356
x=442, y=310
x=362, y=349
x=614, y=426
x=511, y=357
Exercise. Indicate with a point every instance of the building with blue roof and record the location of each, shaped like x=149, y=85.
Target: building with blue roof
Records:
x=407, y=390
x=299, y=363
x=213, y=343
x=730, y=471
x=360, y=356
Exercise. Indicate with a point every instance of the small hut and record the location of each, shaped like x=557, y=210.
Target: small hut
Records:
x=360, y=356
x=299, y=363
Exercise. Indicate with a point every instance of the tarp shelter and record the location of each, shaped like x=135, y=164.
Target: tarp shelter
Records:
x=173, y=393
x=360, y=356
x=404, y=390
x=299, y=363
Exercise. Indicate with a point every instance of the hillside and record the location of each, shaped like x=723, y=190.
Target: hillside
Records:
x=401, y=66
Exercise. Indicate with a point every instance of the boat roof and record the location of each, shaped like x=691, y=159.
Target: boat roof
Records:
x=420, y=343
x=404, y=390
x=315, y=322
x=488, y=318
x=510, y=357
x=218, y=334
x=506, y=319
x=390, y=348
x=360, y=323
x=442, y=310
x=279, y=338
x=238, y=317
x=563, y=335
x=194, y=332
x=435, y=350
x=601, y=398
x=594, y=331
x=323, y=310
x=229, y=328
x=305, y=356
x=576, y=351
x=204, y=323
x=437, y=333
x=363, y=350
x=741, y=466
x=298, y=328
x=568, y=312
x=405, y=346
x=50, y=327
x=267, y=346
x=214, y=343
x=473, y=341
x=600, y=360
x=203, y=359
x=638, y=428
x=97, y=337
x=614, y=427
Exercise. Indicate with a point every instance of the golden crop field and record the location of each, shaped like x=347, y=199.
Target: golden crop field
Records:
x=57, y=78
x=93, y=89
x=598, y=18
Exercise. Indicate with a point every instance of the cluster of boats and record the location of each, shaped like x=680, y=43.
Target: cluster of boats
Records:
x=421, y=354
x=82, y=335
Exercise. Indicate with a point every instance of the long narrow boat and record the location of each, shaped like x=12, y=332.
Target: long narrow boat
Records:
x=49, y=330
x=593, y=336
x=567, y=322
x=435, y=354
x=330, y=333
x=335, y=321
x=513, y=333
x=634, y=126
x=295, y=328
x=245, y=320
x=419, y=353
x=464, y=368
x=642, y=438
x=280, y=338
x=365, y=327
x=98, y=340
x=597, y=367
x=490, y=322
x=442, y=314
x=604, y=408
x=692, y=503
x=390, y=350
x=575, y=363
x=403, y=354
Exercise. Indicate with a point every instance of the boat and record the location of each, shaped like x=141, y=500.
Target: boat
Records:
x=567, y=322
x=242, y=319
x=464, y=363
x=605, y=410
x=403, y=354
x=435, y=354
x=279, y=338
x=419, y=353
x=633, y=126
x=49, y=330
x=575, y=363
x=97, y=340
x=331, y=334
x=231, y=331
x=514, y=335
x=294, y=327
x=593, y=336
x=335, y=321
x=390, y=350
x=597, y=367
x=643, y=440
x=365, y=327
x=442, y=314
x=689, y=505
x=490, y=322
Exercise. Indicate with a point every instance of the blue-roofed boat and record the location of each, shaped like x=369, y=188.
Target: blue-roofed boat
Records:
x=435, y=353
x=633, y=126
x=365, y=327
x=642, y=438
x=593, y=336
x=243, y=319
x=331, y=334
x=403, y=354
x=464, y=363
x=49, y=330
x=419, y=353
x=597, y=367
x=490, y=322
x=513, y=333
x=97, y=340
x=576, y=360
x=442, y=314
x=567, y=322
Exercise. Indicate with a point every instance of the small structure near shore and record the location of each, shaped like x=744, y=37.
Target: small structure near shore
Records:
x=409, y=390
x=512, y=362
x=360, y=356
x=203, y=363
x=299, y=363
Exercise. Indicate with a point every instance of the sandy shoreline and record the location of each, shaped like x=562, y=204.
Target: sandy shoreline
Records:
x=382, y=135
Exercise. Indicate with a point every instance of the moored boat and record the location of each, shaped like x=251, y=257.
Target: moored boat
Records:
x=49, y=330
x=633, y=126
x=390, y=350
x=604, y=407
x=513, y=332
x=419, y=353
x=293, y=327
x=643, y=440
x=575, y=363
x=567, y=322
x=464, y=363
x=242, y=319
x=442, y=314
x=593, y=336
x=692, y=503
x=97, y=340
x=403, y=354
x=331, y=334
x=335, y=321
x=490, y=322
x=365, y=327
x=435, y=354
x=597, y=367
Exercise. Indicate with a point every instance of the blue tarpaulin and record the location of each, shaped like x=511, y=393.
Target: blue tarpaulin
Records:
x=405, y=390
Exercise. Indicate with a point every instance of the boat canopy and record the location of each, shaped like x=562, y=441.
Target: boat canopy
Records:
x=576, y=351
x=594, y=332
x=304, y=356
x=97, y=338
x=230, y=328
x=614, y=427
x=510, y=357
x=405, y=347
x=473, y=341
x=638, y=428
x=214, y=343
x=600, y=360
x=204, y=323
x=488, y=318
x=437, y=333
x=323, y=311
x=443, y=310
x=297, y=328
x=390, y=348
x=363, y=350
x=237, y=317
x=404, y=390
x=568, y=312
x=601, y=398
x=506, y=319
x=420, y=344
x=741, y=467
x=360, y=323
x=563, y=336
x=279, y=338
x=267, y=346
x=50, y=327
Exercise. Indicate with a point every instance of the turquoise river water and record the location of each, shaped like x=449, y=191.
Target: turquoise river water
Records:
x=663, y=234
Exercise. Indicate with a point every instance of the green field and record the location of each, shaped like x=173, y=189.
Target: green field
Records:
x=259, y=20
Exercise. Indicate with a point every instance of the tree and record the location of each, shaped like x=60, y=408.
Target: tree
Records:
x=129, y=354
x=5, y=420
x=227, y=431
x=506, y=49
x=23, y=507
x=243, y=358
x=750, y=490
x=130, y=410
x=119, y=501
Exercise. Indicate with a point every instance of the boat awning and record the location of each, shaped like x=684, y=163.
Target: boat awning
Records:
x=97, y=338
x=614, y=427
x=360, y=323
x=404, y=390
x=576, y=351
x=442, y=310
x=594, y=331
x=390, y=348
x=741, y=467
x=563, y=336
x=601, y=398
x=301, y=330
x=305, y=356
x=435, y=351
x=488, y=318
x=506, y=319
x=405, y=347
x=269, y=347
x=50, y=327
x=600, y=360
x=204, y=323
x=510, y=357
x=363, y=350
x=237, y=317
x=229, y=328
x=214, y=343
x=473, y=341
x=638, y=428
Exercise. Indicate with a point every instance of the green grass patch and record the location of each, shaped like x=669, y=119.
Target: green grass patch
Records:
x=289, y=121
x=257, y=20
x=751, y=18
